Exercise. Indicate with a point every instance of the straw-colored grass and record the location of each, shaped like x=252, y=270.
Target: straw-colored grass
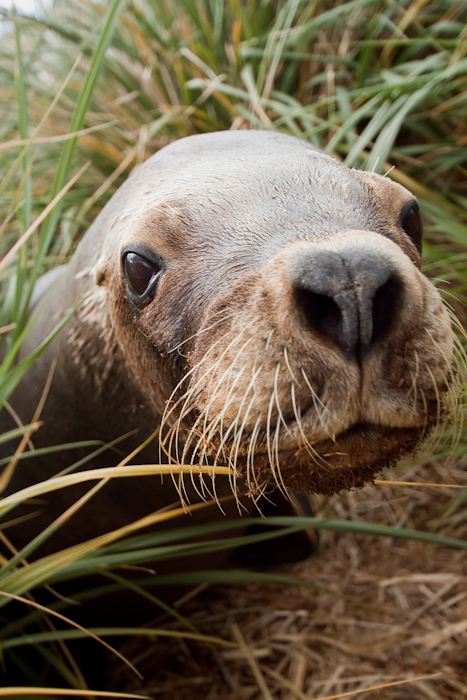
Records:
x=385, y=614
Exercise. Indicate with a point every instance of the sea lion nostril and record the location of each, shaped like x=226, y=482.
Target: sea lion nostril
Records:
x=386, y=303
x=321, y=313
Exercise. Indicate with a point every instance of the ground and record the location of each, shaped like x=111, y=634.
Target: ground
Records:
x=380, y=611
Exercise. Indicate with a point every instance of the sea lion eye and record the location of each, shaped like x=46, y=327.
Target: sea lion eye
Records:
x=141, y=275
x=411, y=223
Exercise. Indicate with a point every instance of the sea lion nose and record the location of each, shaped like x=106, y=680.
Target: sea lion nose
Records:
x=349, y=296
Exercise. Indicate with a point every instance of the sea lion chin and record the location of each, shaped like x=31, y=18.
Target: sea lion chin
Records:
x=260, y=301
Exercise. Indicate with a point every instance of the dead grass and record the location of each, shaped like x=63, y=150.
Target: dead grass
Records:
x=399, y=612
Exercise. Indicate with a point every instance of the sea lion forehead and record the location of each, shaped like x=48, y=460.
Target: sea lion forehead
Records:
x=256, y=188
x=246, y=176
x=247, y=157
x=241, y=144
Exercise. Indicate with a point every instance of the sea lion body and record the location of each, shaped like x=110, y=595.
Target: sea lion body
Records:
x=286, y=329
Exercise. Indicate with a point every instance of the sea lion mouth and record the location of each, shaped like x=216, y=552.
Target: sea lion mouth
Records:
x=303, y=453
x=342, y=443
x=349, y=460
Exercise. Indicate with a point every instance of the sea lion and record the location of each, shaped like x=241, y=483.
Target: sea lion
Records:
x=260, y=301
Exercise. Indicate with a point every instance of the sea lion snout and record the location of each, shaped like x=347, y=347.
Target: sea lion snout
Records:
x=346, y=294
x=324, y=366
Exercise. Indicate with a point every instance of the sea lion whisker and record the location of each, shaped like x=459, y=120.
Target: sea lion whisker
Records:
x=419, y=396
x=437, y=395
x=208, y=432
x=201, y=456
x=425, y=420
x=317, y=402
x=172, y=406
x=246, y=391
x=227, y=373
x=413, y=387
x=298, y=419
x=216, y=423
x=189, y=438
x=195, y=389
x=188, y=406
x=460, y=357
x=211, y=368
x=231, y=428
x=452, y=313
x=317, y=458
x=440, y=419
x=260, y=494
x=453, y=404
x=450, y=361
x=233, y=454
x=180, y=487
x=281, y=485
x=232, y=480
x=171, y=439
x=202, y=440
x=214, y=492
x=455, y=394
x=223, y=440
x=173, y=434
x=237, y=438
x=233, y=425
x=280, y=418
x=456, y=339
x=455, y=387
x=276, y=395
x=269, y=446
x=250, y=458
x=458, y=326
x=458, y=379
x=286, y=358
x=219, y=419
x=200, y=487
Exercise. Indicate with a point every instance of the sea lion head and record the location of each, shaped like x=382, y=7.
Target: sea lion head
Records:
x=269, y=302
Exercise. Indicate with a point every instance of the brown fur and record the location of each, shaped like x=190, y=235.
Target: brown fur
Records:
x=223, y=355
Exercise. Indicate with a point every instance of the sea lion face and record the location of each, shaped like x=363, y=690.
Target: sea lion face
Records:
x=269, y=300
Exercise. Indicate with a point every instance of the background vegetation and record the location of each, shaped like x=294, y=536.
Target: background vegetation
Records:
x=92, y=89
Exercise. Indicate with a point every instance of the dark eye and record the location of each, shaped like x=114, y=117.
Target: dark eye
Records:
x=141, y=275
x=412, y=224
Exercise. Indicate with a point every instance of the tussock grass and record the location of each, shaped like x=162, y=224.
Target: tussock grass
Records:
x=91, y=90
